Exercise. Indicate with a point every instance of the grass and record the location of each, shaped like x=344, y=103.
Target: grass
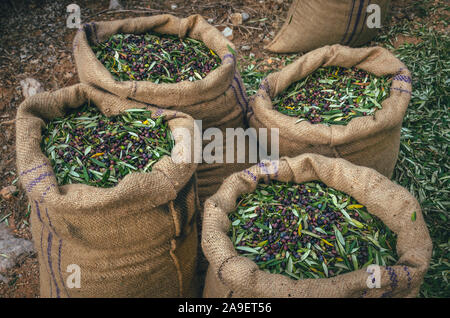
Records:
x=423, y=166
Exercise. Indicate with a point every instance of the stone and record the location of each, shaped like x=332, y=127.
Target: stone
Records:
x=173, y=6
x=245, y=16
x=246, y=48
x=114, y=5
x=31, y=87
x=228, y=33
x=8, y=192
x=12, y=250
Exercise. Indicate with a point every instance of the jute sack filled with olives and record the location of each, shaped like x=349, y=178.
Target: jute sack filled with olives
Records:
x=371, y=141
x=232, y=275
x=312, y=24
x=218, y=99
x=136, y=239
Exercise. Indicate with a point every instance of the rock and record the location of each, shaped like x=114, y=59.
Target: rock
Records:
x=246, y=48
x=12, y=250
x=8, y=192
x=31, y=87
x=173, y=6
x=245, y=16
x=114, y=5
x=236, y=18
x=228, y=33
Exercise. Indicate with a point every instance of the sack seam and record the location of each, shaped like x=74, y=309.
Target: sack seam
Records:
x=173, y=246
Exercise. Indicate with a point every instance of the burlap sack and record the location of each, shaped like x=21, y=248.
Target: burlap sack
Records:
x=312, y=24
x=231, y=275
x=371, y=141
x=219, y=100
x=137, y=239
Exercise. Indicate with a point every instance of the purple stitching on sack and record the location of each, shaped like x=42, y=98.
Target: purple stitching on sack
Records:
x=59, y=267
x=49, y=221
x=42, y=247
x=38, y=211
x=159, y=112
x=358, y=17
x=94, y=26
x=250, y=110
x=228, y=55
x=33, y=169
x=403, y=78
x=349, y=22
x=237, y=98
x=43, y=257
x=250, y=174
x=49, y=252
x=87, y=30
x=133, y=88
x=75, y=42
x=408, y=274
x=35, y=181
x=402, y=90
x=394, y=282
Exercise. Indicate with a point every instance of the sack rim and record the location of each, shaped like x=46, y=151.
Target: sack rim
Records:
x=167, y=94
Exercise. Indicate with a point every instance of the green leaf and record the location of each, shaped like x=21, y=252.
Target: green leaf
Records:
x=232, y=51
x=247, y=249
